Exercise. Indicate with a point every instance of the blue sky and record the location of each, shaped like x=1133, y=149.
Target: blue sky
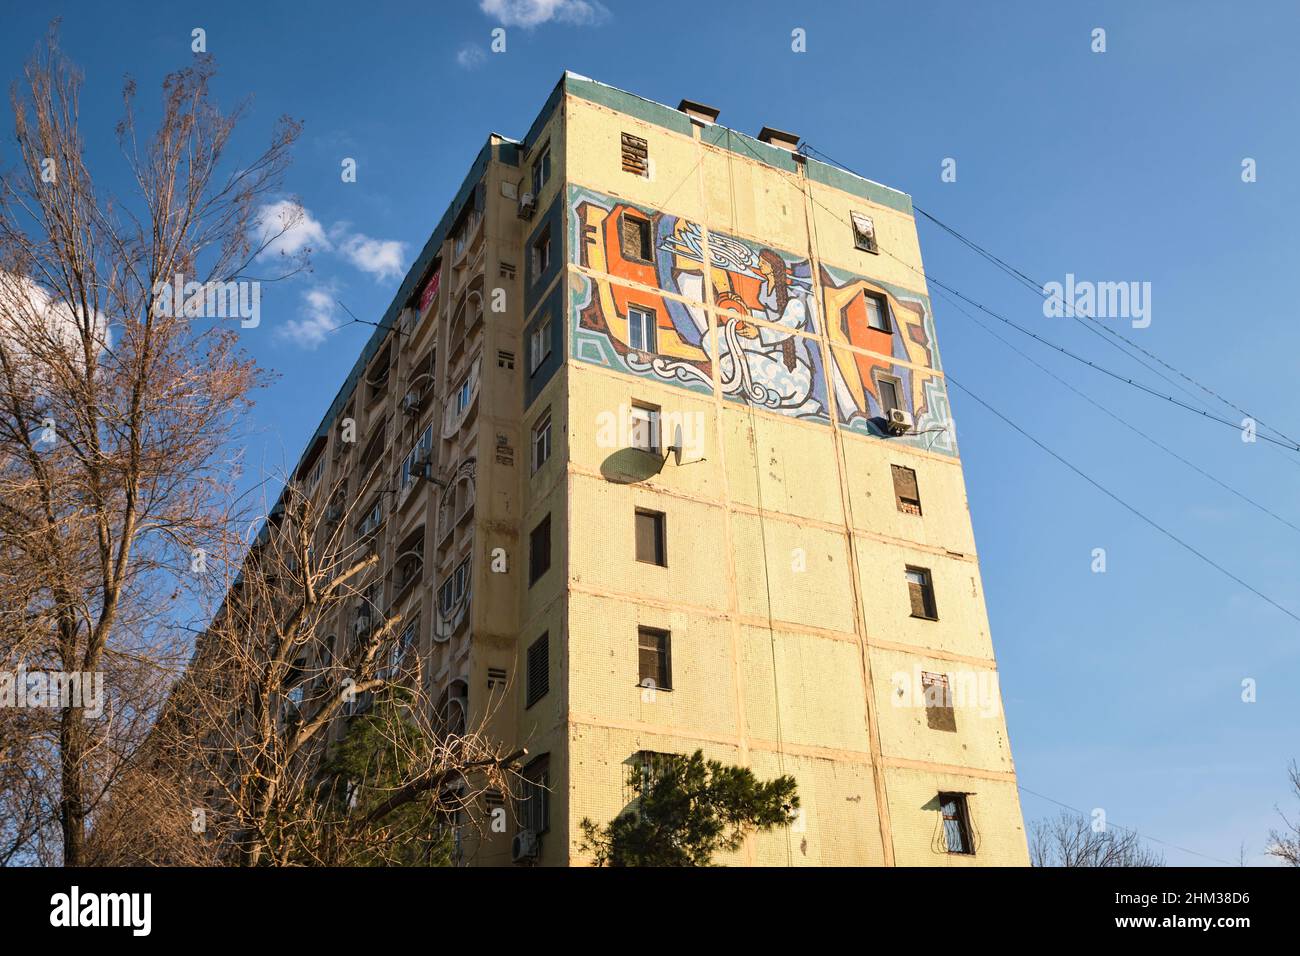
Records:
x=1123, y=689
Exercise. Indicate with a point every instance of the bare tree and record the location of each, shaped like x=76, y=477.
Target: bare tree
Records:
x=117, y=410
x=1070, y=839
x=304, y=733
x=1285, y=844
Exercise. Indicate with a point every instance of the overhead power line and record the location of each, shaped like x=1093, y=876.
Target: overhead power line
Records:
x=1039, y=289
x=1128, y=507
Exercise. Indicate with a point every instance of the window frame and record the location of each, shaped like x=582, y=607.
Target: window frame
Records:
x=645, y=252
x=928, y=599
x=664, y=679
x=533, y=695
x=660, y=537
x=861, y=241
x=654, y=418
x=541, y=438
x=899, y=500
x=535, y=573
x=539, y=345
x=541, y=171
x=960, y=819
x=649, y=328
x=882, y=305
x=896, y=383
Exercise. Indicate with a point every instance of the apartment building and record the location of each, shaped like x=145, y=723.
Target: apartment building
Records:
x=655, y=446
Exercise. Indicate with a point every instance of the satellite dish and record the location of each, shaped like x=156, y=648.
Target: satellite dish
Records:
x=676, y=448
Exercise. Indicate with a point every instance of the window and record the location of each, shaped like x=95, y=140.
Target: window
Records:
x=539, y=345
x=542, y=171
x=921, y=592
x=539, y=551
x=373, y=519
x=905, y=491
x=463, y=393
x=505, y=359
x=877, y=311
x=650, y=543
x=317, y=471
x=542, y=441
x=645, y=428
x=534, y=806
x=864, y=233
x=634, y=237
x=641, y=328
x=542, y=254
x=539, y=670
x=417, y=463
x=939, y=712
x=654, y=649
x=636, y=155
x=447, y=595
x=889, y=388
x=956, y=822
x=404, y=643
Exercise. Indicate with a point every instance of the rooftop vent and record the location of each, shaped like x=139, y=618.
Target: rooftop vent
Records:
x=698, y=111
x=778, y=137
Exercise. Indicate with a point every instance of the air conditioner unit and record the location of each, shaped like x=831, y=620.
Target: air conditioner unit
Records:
x=900, y=422
x=527, y=206
x=411, y=402
x=334, y=514
x=362, y=624
x=525, y=846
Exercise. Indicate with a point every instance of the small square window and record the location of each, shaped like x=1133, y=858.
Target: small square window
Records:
x=956, y=823
x=645, y=428
x=906, y=493
x=539, y=551
x=877, y=312
x=654, y=655
x=641, y=329
x=920, y=589
x=634, y=236
x=541, y=441
x=864, y=233
x=539, y=670
x=650, y=537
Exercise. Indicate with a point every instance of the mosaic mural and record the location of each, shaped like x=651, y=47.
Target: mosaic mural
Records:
x=771, y=366
x=767, y=322
x=600, y=308
x=908, y=336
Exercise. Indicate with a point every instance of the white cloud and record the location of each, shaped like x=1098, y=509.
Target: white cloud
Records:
x=286, y=227
x=34, y=323
x=533, y=13
x=319, y=313
x=382, y=258
x=470, y=56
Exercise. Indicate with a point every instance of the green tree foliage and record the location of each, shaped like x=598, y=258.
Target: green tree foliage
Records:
x=686, y=810
x=380, y=754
